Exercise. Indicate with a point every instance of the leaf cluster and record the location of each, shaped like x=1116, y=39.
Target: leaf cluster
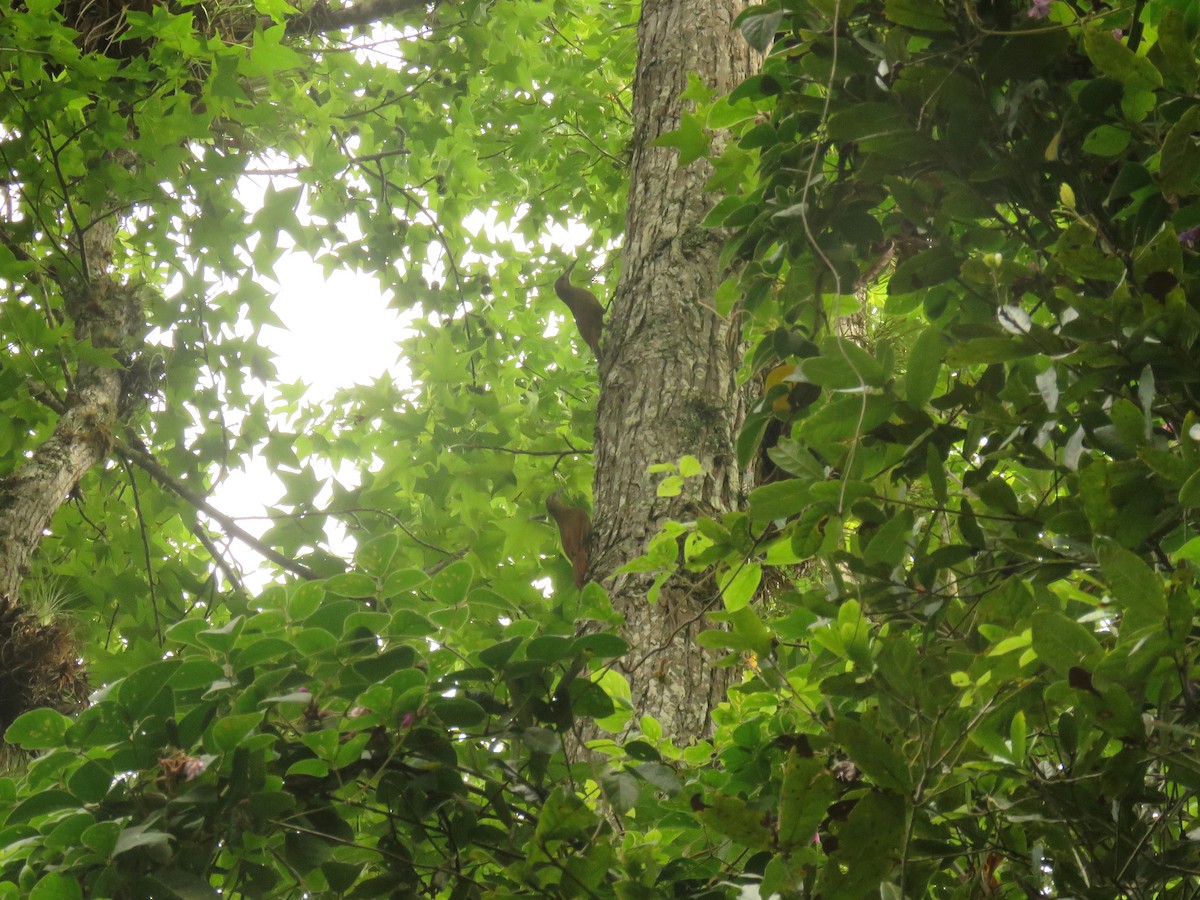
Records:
x=973, y=233
x=968, y=231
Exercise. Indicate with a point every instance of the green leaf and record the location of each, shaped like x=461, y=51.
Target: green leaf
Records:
x=305, y=599
x=690, y=139
x=739, y=585
x=760, y=26
x=660, y=776
x=457, y=712
x=968, y=526
x=451, y=585
x=55, y=886
x=40, y=804
x=924, y=367
x=689, y=466
x=220, y=639
x=498, y=654
x=671, y=486
x=621, y=790
x=1174, y=52
x=1138, y=103
x=986, y=351
x=610, y=710
x=1061, y=642
x=601, y=645
x=38, y=729
x=860, y=122
x=999, y=495
x=350, y=584
x=1189, y=494
x=564, y=817
x=268, y=56
x=924, y=270
x=402, y=581
x=843, y=366
x=731, y=817
x=101, y=838
x=135, y=836
x=1107, y=140
x=935, y=470
x=542, y=740
x=779, y=501
x=254, y=653
x=867, y=847
x=1115, y=60
x=749, y=629
x=1179, y=160
x=375, y=557
x=889, y=544
x=872, y=754
x=226, y=734
x=805, y=794
x=923, y=15
x=551, y=648
x=314, y=768
x=1016, y=733
x=1135, y=586
x=847, y=418
x=91, y=781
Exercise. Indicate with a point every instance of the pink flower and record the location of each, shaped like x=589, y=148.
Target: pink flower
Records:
x=193, y=767
x=1038, y=9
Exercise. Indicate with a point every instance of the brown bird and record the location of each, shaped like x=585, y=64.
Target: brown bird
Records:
x=575, y=532
x=587, y=310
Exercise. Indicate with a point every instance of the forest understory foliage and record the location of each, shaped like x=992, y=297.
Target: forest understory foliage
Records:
x=960, y=605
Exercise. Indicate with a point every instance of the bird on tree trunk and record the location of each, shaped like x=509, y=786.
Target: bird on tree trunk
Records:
x=575, y=531
x=587, y=310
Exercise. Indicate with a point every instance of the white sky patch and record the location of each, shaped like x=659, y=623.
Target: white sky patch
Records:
x=337, y=332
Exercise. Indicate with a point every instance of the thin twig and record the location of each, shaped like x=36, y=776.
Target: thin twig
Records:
x=557, y=453
x=218, y=558
x=137, y=507
x=352, y=161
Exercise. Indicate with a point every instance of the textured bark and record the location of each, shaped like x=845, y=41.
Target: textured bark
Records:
x=109, y=316
x=668, y=384
x=39, y=662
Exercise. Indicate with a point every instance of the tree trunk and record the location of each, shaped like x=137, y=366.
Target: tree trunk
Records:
x=39, y=662
x=668, y=371
x=108, y=315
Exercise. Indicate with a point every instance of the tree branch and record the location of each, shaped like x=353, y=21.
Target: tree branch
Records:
x=321, y=18
x=218, y=558
x=142, y=458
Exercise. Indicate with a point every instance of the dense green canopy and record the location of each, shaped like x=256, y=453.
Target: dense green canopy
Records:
x=963, y=595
